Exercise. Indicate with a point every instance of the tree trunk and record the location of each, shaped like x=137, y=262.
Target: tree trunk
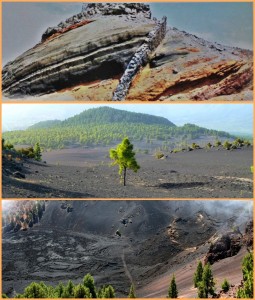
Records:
x=124, y=176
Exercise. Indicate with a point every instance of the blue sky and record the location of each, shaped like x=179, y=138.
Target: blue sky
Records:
x=226, y=23
x=227, y=117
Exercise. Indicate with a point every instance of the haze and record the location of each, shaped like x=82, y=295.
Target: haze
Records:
x=225, y=23
x=233, y=118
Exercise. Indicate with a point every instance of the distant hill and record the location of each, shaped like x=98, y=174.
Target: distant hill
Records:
x=105, y=115
x=106, y=126
x=45, y=124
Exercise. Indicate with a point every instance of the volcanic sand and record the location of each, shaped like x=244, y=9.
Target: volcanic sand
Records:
x=86, y=173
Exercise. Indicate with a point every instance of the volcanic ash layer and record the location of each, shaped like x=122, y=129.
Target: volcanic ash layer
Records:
x=117, y=51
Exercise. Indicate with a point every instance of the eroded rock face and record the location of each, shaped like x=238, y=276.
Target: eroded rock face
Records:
x=84, y=57
x=95, y=10
x=229, y=244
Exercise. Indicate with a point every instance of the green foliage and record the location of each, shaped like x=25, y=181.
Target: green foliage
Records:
x=124, y=156
x=209, y=145
x=206, y=286
x=7, y=145
x=247, y=143
x=37, y=152
x=80, y=291
x=132, y=292
x=88, y=282
x=225, y=285
x=195, y=146
x=104, y=126
x=217, y=143
x=106, y=292
x=172, y=291
x=247, y=268
x=27, y=152
x=227, y=145
x=251, y=169
x=35, y=290
x=159, y=154
x=69, y=290
x=198, y=274
x=86, y=289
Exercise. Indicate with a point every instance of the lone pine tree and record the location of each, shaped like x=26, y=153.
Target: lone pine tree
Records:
x=172, y=291
x=124, y=156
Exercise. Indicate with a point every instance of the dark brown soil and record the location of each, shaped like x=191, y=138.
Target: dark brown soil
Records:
x=86, y=173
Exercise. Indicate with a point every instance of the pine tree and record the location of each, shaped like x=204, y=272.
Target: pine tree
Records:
x=35, y=290
x=247, y=268
x=225, y=285
x=172, y=291
x=124, y=156
x=88, y=281
x=206, y=286
x=68, y=292
x=37, y=152
x=59, y=290
x=198, y=274
x=132, y=292
x=80, y=291
x=107, y=291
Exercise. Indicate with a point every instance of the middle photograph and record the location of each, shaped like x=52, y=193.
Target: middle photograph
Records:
x=127, y=151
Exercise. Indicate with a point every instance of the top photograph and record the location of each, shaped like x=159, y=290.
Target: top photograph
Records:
x=130, y=52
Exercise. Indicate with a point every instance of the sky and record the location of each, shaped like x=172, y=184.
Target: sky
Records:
x=233, y=118
x=226, y=23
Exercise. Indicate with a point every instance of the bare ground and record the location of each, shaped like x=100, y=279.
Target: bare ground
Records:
x=67, y=246
x=86, y=173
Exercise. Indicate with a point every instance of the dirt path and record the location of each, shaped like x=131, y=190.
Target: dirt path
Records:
x=126, y=268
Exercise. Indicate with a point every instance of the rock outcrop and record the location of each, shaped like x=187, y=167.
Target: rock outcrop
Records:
x=102, y=54
x=93, y=10
x=230, y=243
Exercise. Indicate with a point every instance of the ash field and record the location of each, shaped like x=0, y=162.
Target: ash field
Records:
x=155, y=240
x=86, y=173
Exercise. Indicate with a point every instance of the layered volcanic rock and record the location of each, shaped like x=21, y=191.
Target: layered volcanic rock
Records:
x=85, y=56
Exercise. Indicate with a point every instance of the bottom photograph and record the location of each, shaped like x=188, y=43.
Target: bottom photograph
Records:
x=131, y=248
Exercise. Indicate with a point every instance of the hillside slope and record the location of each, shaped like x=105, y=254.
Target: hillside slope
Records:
x=105, y=126
x=70, y=244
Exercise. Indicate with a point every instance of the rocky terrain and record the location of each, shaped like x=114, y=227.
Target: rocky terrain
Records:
x=86, y=173
x=67, y=244
x=118, y=51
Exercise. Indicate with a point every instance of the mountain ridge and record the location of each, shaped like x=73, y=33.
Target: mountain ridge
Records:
x=104, y=126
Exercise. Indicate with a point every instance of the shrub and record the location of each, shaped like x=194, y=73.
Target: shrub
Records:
x=195, y=146
x=209, y=145
x=217, y=143
x=227, y=145
x=159, y=154
x=247, y=143
x=225, y=285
